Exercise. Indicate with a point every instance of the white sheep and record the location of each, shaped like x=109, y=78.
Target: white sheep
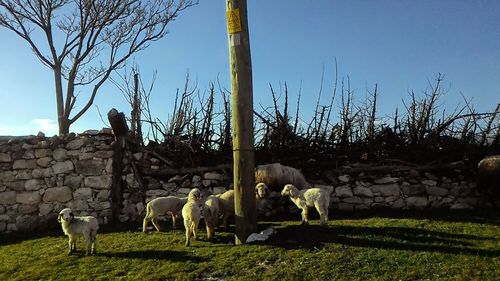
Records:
x=191, y=212
x=276, y=175
x=226, y=200
x=211, y=210
x=160, y=206
x=261, y=190
x=312, y=197
x=73, y=226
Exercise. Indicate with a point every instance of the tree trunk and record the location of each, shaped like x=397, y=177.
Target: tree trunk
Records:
x=62, y=120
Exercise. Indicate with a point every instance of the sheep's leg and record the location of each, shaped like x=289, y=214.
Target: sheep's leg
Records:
x=305, y=216
x=187, y=225
x=174, y=221
x=195, y=229
x=71, y=244
x=155, y=223
x=323, y=214
x=88, y=239
x=145, y=224
x=93, y=238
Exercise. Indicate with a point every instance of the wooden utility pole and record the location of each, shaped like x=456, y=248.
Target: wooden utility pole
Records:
x=242, y=110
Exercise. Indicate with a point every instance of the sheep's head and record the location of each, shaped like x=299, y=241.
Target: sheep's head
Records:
x=290, y=190
x=65, y=215
x=195, y=194
x=261, y=190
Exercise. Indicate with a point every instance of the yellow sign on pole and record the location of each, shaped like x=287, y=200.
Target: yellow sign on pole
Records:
x=233, y=21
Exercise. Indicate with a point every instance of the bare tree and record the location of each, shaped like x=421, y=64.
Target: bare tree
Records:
x=84, y=41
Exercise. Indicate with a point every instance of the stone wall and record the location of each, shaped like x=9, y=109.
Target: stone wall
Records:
x=40, y=176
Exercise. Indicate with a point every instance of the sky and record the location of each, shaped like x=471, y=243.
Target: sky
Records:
x=401, y=45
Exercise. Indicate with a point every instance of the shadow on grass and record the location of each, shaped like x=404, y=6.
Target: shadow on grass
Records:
x=395, y=238
x=169, y=255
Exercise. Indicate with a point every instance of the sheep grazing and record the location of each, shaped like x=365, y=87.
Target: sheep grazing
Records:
x=312, y=197
x=160, y=206
x=191, y=212
x=226, y=200
x=211, y=214
x=74, y=226
x=488, y=170
x=276, y=175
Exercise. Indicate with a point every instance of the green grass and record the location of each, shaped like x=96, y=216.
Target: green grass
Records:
x=427, y=247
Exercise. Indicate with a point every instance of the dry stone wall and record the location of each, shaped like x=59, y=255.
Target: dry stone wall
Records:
x=40, y=176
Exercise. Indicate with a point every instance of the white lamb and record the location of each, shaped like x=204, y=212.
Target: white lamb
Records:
x=312, y=197
x=276, y=175
x=211, y=211
x=160, y=206
x=261, y=190
x=191, y=212
x=74, y=226
x=226, y=200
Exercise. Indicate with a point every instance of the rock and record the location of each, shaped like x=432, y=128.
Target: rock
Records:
x=168, y=185
x=183, y=191
x=196, y=178
x=5, y=157
x=386, y=180
x=45, y=209
x=429, y=182
x=343, y=191
x=7, y=176
x=156, y=193
x=398, y=204
x=24, y=175
x=33, y=184
x=90, y=167
x=75, y=144
x=27, y=209
x=99, y=206
x=414, y=189
x=387, y=189
x=103, y=194
x=104, y=154
x=73, y=182
x=26, y=222
x=44, y=162
x=99, y=182
x=417, y=202
x=345, y=207
x=78, y=205
x=460, y=206
x=214, y=176
x=262, y=236
x=362, y=191
x=8, y=197
x=42, y=152
x=83, y=193
x=353, y=200
x=28, y=198
x=60, y=154
x=63, y=167
x=24, y=164
x=431, y=176
x=436, y=191
x=344, y=178
x=57, y=194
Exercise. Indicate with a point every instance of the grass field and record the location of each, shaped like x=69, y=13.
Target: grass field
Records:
x=453, y=246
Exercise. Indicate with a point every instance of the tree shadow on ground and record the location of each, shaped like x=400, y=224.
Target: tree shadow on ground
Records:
x=395, y=238
x=176, y=256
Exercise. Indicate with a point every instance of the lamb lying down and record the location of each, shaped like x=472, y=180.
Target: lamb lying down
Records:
x=74, y=226
x=312, y=197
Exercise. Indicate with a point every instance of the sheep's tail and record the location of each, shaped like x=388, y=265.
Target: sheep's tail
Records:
x=148, y=210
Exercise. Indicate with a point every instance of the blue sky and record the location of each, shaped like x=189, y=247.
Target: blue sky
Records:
x=401, y=45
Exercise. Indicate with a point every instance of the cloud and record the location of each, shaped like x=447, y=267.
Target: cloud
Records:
x=47, y=126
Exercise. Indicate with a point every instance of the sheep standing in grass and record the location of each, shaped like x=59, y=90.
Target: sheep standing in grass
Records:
x=211, y=214
x=73, y=226
x=276, y=175
x=191, y=212
x=312, y=197
x=226, y=200
x=160, y=206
